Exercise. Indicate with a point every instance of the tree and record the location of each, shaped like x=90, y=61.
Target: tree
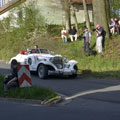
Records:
x=87, y=19
x=107, y=4
x=66, y=7
x=74, y=17
x=114, y=8
x=100, y=15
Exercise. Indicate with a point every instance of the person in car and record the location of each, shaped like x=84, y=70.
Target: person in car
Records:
x=36, y=49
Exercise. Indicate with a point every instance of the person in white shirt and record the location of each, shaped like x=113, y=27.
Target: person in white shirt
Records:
x=63, y=35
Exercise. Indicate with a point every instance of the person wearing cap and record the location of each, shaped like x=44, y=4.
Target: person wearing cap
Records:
x=73, y=33
x=99, y=31
x=86, y=41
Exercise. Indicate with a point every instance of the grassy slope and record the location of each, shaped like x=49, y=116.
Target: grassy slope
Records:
x=106, y=64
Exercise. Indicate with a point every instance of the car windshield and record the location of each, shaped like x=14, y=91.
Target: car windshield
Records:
x=43, y=51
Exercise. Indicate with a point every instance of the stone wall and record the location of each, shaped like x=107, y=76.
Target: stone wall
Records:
x=54, y=14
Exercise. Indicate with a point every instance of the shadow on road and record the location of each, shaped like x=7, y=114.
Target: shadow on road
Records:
x=4, y=71
x=115, y=74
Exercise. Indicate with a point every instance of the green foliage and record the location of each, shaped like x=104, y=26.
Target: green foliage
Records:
x=115, y=5
x=19, y=30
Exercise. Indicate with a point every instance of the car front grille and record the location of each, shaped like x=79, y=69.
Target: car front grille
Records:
x=58, y=62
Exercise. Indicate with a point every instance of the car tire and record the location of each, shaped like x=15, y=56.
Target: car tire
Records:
x=75, y=74
x=12, y=63
x=42, y=71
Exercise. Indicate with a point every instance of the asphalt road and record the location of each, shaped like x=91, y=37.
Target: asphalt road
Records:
x=78, y=109
x=88, y=99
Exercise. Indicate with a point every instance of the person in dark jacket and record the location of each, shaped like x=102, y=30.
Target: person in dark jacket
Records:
x=73, y=33
x=11, y=80
x=86, y=41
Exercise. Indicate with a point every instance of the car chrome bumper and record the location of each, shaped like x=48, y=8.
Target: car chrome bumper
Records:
x=61, y=72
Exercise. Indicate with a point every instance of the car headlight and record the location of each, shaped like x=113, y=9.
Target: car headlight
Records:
x=66, y=59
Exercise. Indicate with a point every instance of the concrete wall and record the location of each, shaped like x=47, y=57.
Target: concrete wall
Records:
x=54, y=14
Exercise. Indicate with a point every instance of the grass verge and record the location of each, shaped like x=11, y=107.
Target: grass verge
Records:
x=36, y=93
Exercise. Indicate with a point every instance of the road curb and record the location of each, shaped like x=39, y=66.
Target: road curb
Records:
x=51, y=101
x=22, y=101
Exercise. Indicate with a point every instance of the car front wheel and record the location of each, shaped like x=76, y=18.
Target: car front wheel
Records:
x=75, y=74
x=42, y=71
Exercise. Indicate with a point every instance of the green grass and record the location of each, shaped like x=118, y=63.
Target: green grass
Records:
x=37, y=93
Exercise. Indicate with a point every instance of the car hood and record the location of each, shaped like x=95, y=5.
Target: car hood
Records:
x=46, y=55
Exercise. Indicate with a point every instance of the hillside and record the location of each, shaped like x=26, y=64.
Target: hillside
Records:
x=19, y=33
x=106, y=64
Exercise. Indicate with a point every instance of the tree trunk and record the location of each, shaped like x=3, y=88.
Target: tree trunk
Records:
x=107, y=4
x=67, y=17
x=66, y=7
x=87, y=19
x=100, y=15
x=75, y=18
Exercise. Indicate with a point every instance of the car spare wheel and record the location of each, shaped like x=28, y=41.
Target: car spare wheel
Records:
x=42, y=71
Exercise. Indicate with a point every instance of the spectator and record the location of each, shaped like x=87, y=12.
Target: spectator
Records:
x=11, y=80
x=116, y=25
x=112, y=26
x=99, y=31
x=73, y=33
x=87, y=40
x=119, y=26
x=63, y=35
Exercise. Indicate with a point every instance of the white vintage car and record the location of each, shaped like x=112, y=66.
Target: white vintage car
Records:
x=44, y=63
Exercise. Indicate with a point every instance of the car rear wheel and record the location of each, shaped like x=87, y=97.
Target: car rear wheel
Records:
x=42, y=71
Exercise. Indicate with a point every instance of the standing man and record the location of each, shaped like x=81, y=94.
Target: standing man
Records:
x=86, y=41
x=99, y=31
x=73, y=33
x=63, y=35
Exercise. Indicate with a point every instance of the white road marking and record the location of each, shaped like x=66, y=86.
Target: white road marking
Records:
x=108, y=89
